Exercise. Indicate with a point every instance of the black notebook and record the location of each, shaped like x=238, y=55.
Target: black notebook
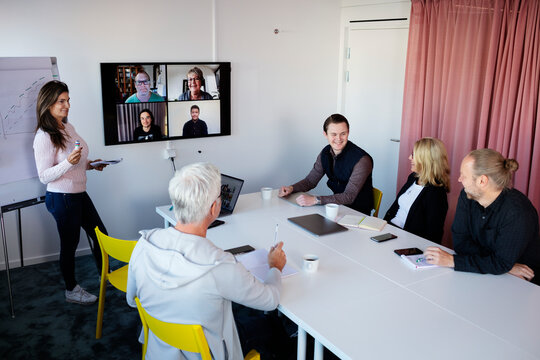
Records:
x=317, y=224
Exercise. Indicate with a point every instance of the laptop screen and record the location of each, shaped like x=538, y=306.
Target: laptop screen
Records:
x=230, y=191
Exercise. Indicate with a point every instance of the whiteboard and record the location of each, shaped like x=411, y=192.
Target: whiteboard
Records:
x=22, y=78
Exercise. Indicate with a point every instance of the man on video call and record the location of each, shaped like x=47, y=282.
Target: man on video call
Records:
x=143, y=94
x=195, y=127
x=347, y=166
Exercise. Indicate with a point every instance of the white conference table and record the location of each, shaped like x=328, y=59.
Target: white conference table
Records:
x=364, y=302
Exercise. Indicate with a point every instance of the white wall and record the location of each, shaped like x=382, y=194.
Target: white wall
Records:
x=283, y=87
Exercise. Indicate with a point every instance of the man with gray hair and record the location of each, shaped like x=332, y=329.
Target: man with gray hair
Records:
x=495, y=229
x=180, y=276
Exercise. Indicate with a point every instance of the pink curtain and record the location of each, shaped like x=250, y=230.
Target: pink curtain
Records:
x=472, y=80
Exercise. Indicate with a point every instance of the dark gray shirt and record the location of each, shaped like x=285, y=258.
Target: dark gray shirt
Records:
x=491, y=240
x=360, y=173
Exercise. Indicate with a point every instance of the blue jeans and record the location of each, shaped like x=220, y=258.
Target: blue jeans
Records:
x=71, y=212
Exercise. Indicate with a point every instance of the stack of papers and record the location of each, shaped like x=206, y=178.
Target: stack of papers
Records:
x=363, y=222
x=256, y=262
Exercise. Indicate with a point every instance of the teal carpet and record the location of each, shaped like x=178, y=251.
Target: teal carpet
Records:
x=47, y=327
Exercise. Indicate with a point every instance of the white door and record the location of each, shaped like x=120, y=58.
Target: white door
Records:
x=373, y=98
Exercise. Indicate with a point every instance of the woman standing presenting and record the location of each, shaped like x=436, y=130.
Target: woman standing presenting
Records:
x=421, y=204
x=61, y=161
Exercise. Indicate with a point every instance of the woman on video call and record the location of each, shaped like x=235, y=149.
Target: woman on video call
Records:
x=195, y=79
x=421, y=204
x=61, y=161
x=147, y=130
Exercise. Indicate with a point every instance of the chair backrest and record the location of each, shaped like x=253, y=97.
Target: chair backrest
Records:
x=116, y=248
x=184, y=337
x=377, y=196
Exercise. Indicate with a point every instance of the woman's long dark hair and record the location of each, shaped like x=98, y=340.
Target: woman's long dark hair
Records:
x=47, y=96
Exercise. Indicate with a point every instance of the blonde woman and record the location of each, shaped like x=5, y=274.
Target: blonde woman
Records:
x=421, y=204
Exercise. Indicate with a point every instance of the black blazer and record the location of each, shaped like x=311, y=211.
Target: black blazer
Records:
x=427, y=214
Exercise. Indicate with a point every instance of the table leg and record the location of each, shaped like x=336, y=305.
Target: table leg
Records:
x=165, y=224
x=318, y=352
x=301, y=349
x=20, y=237
x=6, y=257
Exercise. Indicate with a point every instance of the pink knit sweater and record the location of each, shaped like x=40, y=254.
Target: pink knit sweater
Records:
x=52, y=166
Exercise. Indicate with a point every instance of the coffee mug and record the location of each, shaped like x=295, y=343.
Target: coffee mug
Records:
x=266, y=193
x=311, y=263
x=332, y=211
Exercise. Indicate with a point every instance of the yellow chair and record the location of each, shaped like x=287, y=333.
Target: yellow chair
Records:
x=117, y=249
x=377, y=196
x=181, y=336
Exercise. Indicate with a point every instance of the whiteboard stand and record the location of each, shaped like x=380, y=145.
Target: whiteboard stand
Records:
x=4, y=209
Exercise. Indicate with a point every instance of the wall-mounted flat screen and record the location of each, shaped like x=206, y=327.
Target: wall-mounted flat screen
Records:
x=145, y=102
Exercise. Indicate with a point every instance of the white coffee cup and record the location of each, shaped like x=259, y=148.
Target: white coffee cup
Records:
x=332, y=211
x=266, y=193
x=311, y=263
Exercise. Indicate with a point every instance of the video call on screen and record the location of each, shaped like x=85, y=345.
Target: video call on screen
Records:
x=145, y=102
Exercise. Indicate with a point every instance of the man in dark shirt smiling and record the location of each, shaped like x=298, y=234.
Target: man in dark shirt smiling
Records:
x=495, y=229
x=347, y=166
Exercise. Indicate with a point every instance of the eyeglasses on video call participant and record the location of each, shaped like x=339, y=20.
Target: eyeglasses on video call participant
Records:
x=495, y=229
x=195, y=78
x=195, y=127
x=180, y=276
x=421, y=204
x=347, y=166
x=143, y=94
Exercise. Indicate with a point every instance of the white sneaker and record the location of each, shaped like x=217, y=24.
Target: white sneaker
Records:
x=80, y=296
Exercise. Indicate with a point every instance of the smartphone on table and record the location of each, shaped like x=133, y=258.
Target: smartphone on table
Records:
x=383, y=237
x=409, y=251
x=240, y=250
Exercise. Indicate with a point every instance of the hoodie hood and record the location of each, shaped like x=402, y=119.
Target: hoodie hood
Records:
x=172, y=259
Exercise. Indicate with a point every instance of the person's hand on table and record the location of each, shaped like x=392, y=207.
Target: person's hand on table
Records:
x=277, y=257
x=74, y=157
x=437, y=256
x=306, y=200
x=522, y=271
x=285, y=190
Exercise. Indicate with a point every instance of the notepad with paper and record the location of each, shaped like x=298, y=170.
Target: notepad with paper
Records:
x=363, y=222
x=417, y=262
x=256, y=262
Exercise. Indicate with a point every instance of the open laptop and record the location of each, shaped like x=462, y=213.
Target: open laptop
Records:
x=230, y=191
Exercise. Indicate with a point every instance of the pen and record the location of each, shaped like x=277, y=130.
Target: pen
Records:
x=275, y=236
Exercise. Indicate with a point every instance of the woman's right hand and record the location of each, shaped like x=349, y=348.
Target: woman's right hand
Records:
x=75, y=156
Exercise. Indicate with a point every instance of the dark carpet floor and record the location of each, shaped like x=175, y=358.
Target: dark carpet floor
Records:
x=47, y=327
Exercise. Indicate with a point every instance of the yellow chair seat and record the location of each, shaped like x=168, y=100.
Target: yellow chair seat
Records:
x=118, y=278
x=377, y=197
x=181, y=336
x=117, y=249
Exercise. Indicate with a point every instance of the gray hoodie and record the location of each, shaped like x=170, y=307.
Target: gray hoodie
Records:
x=184, y=278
